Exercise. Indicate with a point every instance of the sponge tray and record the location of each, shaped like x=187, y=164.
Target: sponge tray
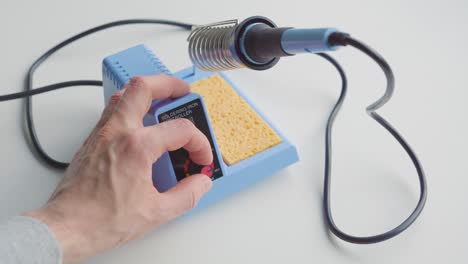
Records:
x=239, y=130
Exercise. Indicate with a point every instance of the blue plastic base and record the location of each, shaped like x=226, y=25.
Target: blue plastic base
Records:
x=139, y=60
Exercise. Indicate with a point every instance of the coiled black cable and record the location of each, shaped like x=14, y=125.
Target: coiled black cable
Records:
x=344, y=39
x=30, y=74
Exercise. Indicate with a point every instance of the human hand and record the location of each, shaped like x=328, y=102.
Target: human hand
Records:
x=107, y=197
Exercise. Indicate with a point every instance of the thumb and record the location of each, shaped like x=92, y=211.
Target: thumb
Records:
x=186, y=194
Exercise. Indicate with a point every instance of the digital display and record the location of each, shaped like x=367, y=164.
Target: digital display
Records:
x=180, y=160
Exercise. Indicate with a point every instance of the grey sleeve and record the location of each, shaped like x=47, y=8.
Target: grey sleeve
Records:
x=27, y=240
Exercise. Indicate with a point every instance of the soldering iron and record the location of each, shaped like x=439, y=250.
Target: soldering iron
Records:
x=255, y=43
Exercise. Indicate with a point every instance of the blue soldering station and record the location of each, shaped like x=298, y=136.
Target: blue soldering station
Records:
x=119, y=68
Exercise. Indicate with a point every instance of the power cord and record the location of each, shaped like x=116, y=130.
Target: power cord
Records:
x=49, y=88
x=344, y=39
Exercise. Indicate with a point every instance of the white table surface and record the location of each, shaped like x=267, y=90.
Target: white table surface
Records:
x=279, y=220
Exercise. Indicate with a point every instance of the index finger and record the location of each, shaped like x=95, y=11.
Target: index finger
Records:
x=175, y=134
x=140, y=91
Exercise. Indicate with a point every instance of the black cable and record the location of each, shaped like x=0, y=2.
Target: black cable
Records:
x=345, y=39
x=49, y=88
x=29, y=79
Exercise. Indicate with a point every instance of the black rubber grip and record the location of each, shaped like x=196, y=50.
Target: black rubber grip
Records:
x=239, y=45
x=263, y=43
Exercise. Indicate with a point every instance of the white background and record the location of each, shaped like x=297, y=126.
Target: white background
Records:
x=280, y=219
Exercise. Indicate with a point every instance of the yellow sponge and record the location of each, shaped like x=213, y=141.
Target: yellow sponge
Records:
x=239, y=130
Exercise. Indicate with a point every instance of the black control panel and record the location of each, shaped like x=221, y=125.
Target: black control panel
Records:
x=180, y=160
